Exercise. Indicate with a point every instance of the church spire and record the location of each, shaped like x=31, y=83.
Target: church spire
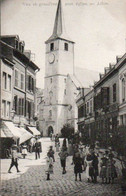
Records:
x=59, y=26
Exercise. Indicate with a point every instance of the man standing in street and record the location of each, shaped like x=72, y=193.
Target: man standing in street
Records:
x=37, y=149
x=14, y=158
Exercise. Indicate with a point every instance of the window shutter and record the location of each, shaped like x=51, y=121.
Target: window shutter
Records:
x=26, y=82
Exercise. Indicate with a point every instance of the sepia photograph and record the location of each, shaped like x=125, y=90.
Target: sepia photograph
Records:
x=63, y=98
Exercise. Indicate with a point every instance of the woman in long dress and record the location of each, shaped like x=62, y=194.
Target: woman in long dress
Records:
x=77, y=160
x=89, y=168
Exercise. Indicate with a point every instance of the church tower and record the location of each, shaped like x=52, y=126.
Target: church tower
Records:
x=59, y=63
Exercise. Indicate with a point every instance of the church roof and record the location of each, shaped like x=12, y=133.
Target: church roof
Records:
x=75, y=81
x=84, y=78
x=59, y=30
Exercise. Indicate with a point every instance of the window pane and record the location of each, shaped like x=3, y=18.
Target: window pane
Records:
x=52, y=46
x=66, y=46
x=16, y=78
x=4, y=80
x=4, y=108
x=9, y=82
x=8, y=109
x=22, y=81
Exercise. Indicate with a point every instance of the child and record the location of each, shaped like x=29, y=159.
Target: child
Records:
x=51, y=151
x=63, y=155
x=103, y=165
x=77, y=160
x=111, y=173
x=24, y=151
x=14, y=158
x=57, y=146
x=49, y=163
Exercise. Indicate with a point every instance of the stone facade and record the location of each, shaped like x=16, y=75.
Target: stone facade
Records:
x=18, y=74
x=107, y=104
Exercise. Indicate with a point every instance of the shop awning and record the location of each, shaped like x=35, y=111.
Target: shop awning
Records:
x=14, y=130
x=25, y=135
x=5, y=132
x=34, y=131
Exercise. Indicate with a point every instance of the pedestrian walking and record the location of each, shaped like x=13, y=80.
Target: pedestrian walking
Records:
x=95, y=166
x=37, y=148
x=57, y=146
x=64, y=145
x=56, y=139
x=14, y=158
x=77, y=161
x=89, y=167
x=111, y=173
x=63, y=155
x=70, y=147
x=52, y=152
x=24, y=151
x=49, y=165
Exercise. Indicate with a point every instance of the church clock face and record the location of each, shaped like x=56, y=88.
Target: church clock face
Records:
x=51, y=58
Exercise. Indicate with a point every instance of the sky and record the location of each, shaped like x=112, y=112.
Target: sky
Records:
x=98, y=27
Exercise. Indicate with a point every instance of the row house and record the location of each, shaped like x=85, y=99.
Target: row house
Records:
x=104, y=106
x=18, y=82
x=122, y=92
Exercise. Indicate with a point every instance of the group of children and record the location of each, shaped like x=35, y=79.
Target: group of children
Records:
x=84, y=159
x=108, y=170
x=87, y=161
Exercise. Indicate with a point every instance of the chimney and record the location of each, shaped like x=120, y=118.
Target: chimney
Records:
x=111, y=65
x=101, y=75
x=107, y=69
x=118, y=58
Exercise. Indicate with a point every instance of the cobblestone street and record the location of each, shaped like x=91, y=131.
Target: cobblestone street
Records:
x=32, y=181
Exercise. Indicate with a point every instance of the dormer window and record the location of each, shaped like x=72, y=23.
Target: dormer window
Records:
x=22, y=49
x=66, y=46
x=20, y=46
x=51, y=46
x=17, y=44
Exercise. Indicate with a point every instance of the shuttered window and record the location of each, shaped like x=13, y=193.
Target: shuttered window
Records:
x=16, y=78
x=114, y=92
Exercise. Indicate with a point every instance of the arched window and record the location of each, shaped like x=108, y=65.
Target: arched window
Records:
x=123, y=90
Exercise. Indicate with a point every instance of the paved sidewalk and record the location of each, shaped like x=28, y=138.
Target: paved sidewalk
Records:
x=32, y=182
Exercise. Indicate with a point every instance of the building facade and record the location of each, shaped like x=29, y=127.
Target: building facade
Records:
x=104, y=106
x=18, y=82
x=122, y=93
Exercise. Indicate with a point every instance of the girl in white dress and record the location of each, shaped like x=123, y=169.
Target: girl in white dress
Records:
x=49, y=164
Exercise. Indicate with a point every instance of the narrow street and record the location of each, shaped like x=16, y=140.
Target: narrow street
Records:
x=31, y=181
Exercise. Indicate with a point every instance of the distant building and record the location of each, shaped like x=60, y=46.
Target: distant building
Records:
x=18, y=82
